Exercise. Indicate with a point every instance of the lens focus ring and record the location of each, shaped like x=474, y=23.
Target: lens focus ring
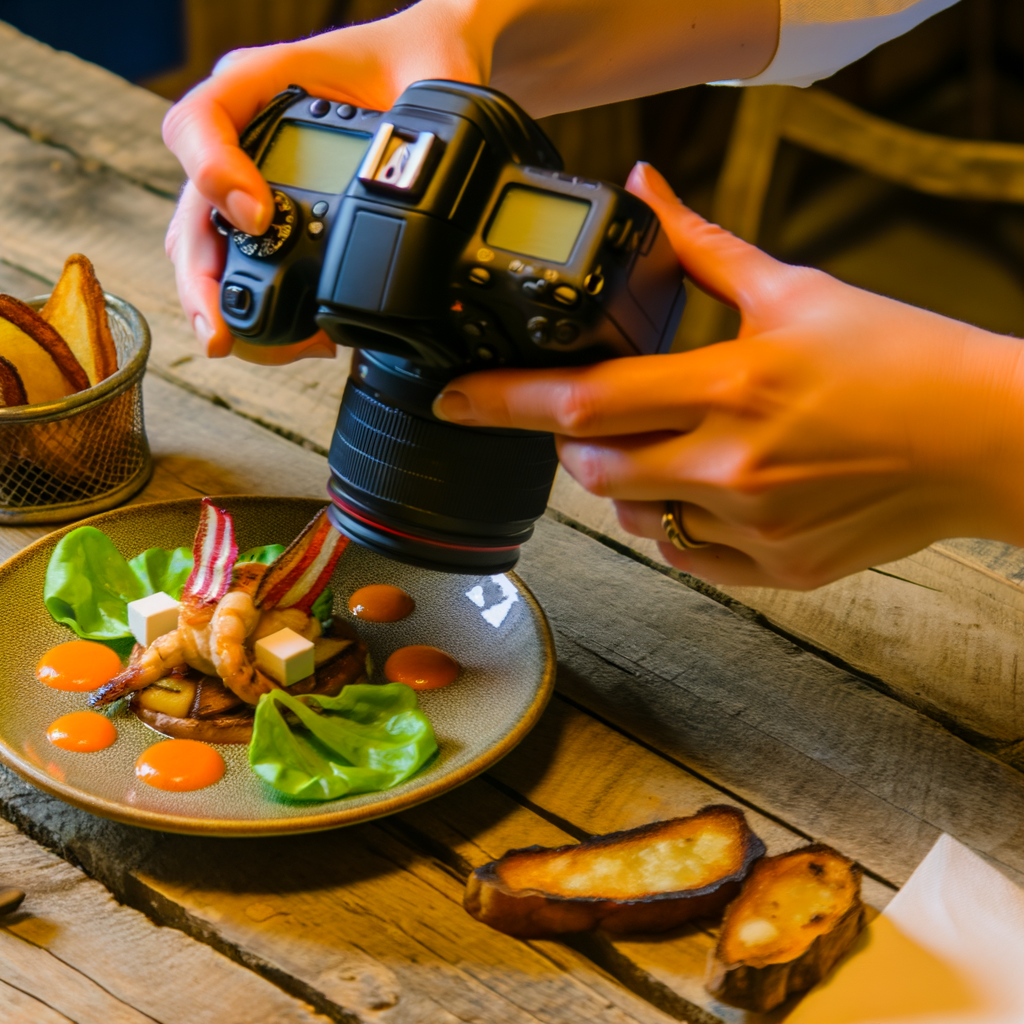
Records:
x=389, y=456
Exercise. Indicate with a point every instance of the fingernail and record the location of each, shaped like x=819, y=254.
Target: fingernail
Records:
x=453, y=406
x=202, y=329
x=246, y=213
x=643, y=174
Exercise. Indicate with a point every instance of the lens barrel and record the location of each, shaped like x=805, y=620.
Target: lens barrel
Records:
x=450, y=498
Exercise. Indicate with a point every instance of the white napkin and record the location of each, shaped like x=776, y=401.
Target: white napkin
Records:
x=949, y=949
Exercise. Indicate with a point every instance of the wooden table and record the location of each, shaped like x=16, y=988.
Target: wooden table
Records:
x=805, y=710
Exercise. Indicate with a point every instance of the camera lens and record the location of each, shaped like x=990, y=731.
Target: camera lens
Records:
x=456, y=499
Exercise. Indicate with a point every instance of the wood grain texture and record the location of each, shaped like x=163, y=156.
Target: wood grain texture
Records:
x=793, y=735
x=940, y=628
x=56, y=96
x=74, y=948
x=17, y=1007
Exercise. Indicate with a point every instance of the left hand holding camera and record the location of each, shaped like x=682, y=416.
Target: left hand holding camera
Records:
x=840, y=430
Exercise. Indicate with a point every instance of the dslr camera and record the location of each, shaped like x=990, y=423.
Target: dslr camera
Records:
x=439, y=238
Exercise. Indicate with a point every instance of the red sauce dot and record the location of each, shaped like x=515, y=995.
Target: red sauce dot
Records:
x=180, y=765
x=421, y=667
x=84, y=731
x=381, y=602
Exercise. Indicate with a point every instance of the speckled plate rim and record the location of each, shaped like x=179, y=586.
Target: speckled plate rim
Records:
x=336, y=818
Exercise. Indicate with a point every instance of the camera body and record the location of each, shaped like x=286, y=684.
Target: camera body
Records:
x=440, y=238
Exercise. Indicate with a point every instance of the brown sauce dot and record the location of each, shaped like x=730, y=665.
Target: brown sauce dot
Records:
x=380, y=602
x=421, y=667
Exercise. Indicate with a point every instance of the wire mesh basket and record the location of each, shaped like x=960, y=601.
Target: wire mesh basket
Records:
x=88, y=452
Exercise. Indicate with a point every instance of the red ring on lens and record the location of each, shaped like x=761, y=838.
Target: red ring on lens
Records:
x=350, y=511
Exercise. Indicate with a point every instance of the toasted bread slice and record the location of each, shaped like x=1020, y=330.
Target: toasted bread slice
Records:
x=47, y=367
x=796, y=915
x=12, y=390
x=77, y=311
x=646, y=879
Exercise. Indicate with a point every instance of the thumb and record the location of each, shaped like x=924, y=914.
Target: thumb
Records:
x=721, y=264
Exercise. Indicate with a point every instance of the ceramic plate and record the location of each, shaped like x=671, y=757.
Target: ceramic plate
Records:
x=491, y=624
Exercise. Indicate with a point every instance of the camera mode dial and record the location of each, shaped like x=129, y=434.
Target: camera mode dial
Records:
x=282, y=229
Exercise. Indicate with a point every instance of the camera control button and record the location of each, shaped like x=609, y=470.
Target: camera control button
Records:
x=480, y=276
x=535, y=289
x=346, y=111
x=282, y=228
x=319, y=209
x=538, y=329
x=474, y=329
x=566, y=295
x=566, y=332
x=319, y=108
x=315, y=228
x=237, y=299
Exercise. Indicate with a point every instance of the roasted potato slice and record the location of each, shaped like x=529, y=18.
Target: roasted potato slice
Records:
x=647, y=879
x=46, y=366
x=796, y=915
x=78, y=312
x=12, y=388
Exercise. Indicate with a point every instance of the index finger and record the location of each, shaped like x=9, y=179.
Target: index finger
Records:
x=637, y=394
x=202, y=129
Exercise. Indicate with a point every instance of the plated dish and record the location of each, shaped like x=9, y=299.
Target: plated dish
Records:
x=491, y=626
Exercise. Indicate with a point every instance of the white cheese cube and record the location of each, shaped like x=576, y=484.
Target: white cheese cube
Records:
x=151, y=617
x=285, y=656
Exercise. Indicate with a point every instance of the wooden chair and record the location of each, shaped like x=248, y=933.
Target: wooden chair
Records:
x=819, y=121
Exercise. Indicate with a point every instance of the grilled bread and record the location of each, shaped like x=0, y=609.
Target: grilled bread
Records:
x=76, y=309
x=647, y=879
x=796, y=915
x=46, y=366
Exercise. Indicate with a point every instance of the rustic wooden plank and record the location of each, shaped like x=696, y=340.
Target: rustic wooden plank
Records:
x=965, y=169
x=77, y=950
x=17, y=1007
x=782, y=729
x=59, y=97
x=31, y=969
x=940, y=628
x=582, y=775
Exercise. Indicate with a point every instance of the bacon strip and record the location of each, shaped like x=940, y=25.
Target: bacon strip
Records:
x=299, y=574
x=214, y=552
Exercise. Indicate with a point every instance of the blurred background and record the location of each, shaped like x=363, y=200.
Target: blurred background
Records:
x=960, y=74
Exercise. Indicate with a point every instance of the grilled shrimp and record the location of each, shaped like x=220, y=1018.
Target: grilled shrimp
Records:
x=233, y=621
x=168, y=652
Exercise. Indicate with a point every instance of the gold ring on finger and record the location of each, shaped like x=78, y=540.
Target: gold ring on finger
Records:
x=672, y=524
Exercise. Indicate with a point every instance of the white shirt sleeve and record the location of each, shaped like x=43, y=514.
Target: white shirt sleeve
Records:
x=818, y=37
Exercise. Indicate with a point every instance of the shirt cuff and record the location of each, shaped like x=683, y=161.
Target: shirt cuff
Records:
x=818, y=37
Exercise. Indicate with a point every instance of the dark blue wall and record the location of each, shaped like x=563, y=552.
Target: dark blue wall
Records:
x=134, y=38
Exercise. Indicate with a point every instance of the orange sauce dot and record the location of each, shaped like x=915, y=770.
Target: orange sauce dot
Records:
x=421, y=667
x=180, y=765
x=85, y=731
x=78, y=665
x=381, y=602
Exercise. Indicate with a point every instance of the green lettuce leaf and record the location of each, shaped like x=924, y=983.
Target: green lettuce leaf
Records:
x=89, y=582
x=368, y=738
x=264, y=555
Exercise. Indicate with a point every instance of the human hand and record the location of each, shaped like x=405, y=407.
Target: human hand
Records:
x=366, y=65
x=840, y=429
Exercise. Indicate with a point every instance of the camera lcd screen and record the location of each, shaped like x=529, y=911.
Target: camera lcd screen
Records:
x=308, y=156
x=544, y=225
